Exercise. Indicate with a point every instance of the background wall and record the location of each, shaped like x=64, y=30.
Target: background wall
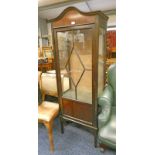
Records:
x=42, y=26
x=42, y=32
x=112, y=20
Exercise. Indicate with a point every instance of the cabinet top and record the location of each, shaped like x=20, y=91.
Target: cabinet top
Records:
x=73, y=16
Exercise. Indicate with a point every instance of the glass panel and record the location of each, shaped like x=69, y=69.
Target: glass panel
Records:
x=64, y=80
x=101, y=62
x=84, y=88
x=70, y=93
x=66, y=85
x=83, y=46
x=65, y=45
x=74, y=67
x=75, y=58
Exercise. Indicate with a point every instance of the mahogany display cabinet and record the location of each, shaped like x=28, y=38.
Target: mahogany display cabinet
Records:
x=80, y=57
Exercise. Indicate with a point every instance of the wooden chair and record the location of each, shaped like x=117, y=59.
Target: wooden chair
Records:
x=47, y=111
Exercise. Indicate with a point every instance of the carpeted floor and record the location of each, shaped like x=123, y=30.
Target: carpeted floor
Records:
x=76, y=140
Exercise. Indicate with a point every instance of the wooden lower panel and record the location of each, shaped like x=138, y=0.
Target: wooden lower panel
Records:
x=77, y=109
x=82, y=111
x=67, y=107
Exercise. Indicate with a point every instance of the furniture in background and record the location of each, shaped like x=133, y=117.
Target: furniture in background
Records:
x=107, y=117
x=45, y=66
x=111, y=43
x=111, y=52
x=39, y=53
x=47, y=111
x=80, y=50
x=45, y=59
x=111, y=47
x=48, y=53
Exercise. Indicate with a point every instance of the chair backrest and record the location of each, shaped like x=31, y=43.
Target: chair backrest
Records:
x=49, y=84
x=112, y=79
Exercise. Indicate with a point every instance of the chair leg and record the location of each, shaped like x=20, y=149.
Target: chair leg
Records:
x=50, y=134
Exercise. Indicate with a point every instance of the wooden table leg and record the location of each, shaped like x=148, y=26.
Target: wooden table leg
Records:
x=50, y=134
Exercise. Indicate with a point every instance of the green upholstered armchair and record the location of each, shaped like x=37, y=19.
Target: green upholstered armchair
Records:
x=107, y=117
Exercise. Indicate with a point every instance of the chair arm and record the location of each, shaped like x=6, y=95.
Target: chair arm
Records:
x=105, y=101
x=107, y=96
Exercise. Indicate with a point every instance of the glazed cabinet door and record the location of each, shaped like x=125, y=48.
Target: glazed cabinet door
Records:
x=75, y=63
x=74, y=54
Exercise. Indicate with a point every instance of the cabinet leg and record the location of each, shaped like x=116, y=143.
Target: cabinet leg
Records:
x=95, y=138
x=61, y=124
